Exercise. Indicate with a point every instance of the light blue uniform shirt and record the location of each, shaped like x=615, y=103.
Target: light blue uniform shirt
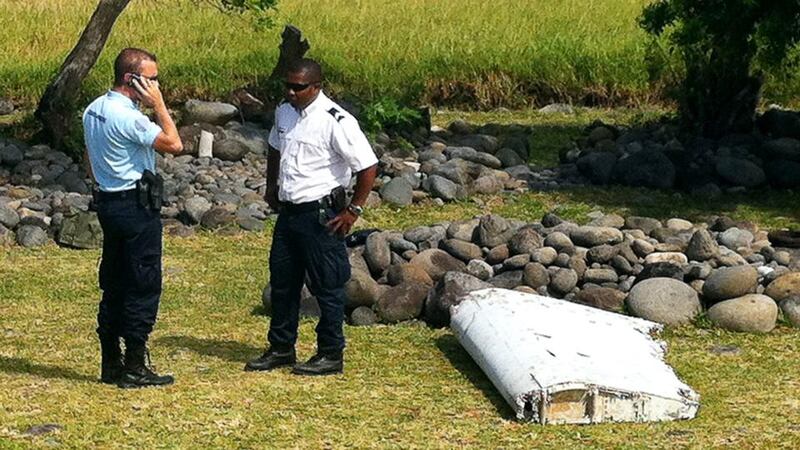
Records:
x=119, y=139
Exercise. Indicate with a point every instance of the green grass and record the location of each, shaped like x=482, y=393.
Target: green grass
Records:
x=472, y=53
x=405, y=386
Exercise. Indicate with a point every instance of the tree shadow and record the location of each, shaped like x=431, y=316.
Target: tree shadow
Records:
x=232, y=351
x=462, y=361
x=22, y=366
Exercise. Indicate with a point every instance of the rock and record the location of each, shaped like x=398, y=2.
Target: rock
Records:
x=463, y=230
x=361, y=289
x=229, y=150
x=443, y=188
x=447, y=293
x=601, y=254
x=480, y=142
x=791, y=310
x=195, y=207
x=753, y=313
x=8, y=217
x=397, y=192
x=73, y=182
x=597, y=166
x=493, y=230
x=31, y=236
x=664, y=300
x=779, y=123
x=480, y=269
x=730, y=282
x=217, y=217
x=255, y=139
x=509, y=279
x=563, y=281
x=608, y=220
x=487, y=185
x=783, y=148
x=544, y=255
x=679, y=224
x=784, y=286
x=734, y=238
x=401, y=302
x=516, y=262
x=465, y=251
x=81, y=230
x=646, y=224
x=498, y=254
x=10, y=155
x=778, y=238
x=601, y=133
x=603, y=298
x=660, y=270
x=437, y=262
x=642, y=247
x=557, y=108
x=215, y=113
x=676, y=258
x=363, y=317
x=702, y=246
x=509, y=158
x=560, y=241
x=646, y=169
x=407, y=273
x=783, y=173
x=740, y=172
x=600, y=276
x=593, y=236
x=377, y=253
x=525, y=240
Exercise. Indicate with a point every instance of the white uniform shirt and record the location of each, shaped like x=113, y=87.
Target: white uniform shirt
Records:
x=321, y=146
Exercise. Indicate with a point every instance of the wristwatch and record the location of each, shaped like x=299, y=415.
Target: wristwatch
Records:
x=355, y=209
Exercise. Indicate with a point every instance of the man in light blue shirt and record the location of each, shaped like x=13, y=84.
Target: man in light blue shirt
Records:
x=120, y=146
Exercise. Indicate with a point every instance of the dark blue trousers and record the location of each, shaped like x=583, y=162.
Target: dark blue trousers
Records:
x=130, y=271
x=302, y=246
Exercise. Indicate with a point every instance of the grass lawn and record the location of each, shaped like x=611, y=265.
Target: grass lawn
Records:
x=405, y=386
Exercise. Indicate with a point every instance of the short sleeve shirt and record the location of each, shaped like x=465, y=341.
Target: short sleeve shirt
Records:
x=119, y=139
x=321, y=146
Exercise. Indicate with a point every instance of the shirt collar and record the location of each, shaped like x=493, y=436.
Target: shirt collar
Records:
x=313, y=106
x=124, y=99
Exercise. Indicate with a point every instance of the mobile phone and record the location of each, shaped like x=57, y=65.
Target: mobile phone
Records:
x=134, y=77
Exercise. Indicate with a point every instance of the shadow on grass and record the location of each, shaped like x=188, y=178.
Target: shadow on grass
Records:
x=22, y=366
x=233, y=351
x=460, y=359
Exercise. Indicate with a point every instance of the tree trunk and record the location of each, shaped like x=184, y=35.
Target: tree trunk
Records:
x=57, y=104
x=293, y=47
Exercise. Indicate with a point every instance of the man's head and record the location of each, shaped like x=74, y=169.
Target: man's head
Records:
x=302, y=83
x=134, y=62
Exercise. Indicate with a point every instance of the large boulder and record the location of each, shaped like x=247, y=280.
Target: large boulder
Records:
x=397, y=192
x=646, y=169
x=597, y=166
x=81, y=230
x=702, y=246
x=229, y=150
x=31, y=236
x=525, y=240
x=664, y=300
x=437, y=262
x=408, y=273
x=753, y=313
x=215, y=113
x=402, y=302
x=493, y=230
x=730, y=282
x=784, y=287
x=447, y=293
x=740, y=172
x=465, y=251
x=377, y=253
x=361, y=289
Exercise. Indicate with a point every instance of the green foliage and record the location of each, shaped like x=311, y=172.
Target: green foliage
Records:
x=387, y=114
x=724, y=46
x=260, y=9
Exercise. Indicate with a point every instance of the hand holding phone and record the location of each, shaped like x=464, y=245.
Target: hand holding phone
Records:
x=148, y=92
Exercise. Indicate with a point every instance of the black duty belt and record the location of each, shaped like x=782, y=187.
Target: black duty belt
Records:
x=118, y=195
x=297, y=208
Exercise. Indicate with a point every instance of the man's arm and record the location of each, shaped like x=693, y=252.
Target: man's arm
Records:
x=343, y=222
x=88, y=165
x=273, y=166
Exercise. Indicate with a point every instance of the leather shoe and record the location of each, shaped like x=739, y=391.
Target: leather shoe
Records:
x=271, y=359
x=321, y=364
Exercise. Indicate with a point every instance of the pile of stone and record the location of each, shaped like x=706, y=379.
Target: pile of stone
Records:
x=666, y=272
x=659, y=156
x=41, y=188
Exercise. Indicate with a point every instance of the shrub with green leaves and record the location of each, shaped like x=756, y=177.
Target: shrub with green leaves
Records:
x=387, y=114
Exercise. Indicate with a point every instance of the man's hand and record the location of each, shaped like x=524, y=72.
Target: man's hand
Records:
x=342, y=223
x=149, y=92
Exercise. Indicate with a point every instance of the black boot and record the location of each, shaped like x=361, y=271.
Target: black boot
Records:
x=272, y=359
x=137, y=373
x=321, y=364
x=111, y=366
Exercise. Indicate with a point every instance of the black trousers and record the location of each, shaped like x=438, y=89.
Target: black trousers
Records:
x=130, y=271
x=302, y=246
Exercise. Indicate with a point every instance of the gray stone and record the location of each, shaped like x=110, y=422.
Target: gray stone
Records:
x=81, y=230
x=560, y=241
x=448, y=292
x=525, y=240
x=31, y=236
x=480, y=269
x=6, y=107
x=734, y=238
x=229, y=150
x=516, y=262
x=608, y=220
x=217, y=217
x=377, y=253
x=195, y=207
x=463, y=230
x=407, y=273
x=544, y=255
x=702, y=246
x=601, y=297
x=73, y=182
x=363, y=316
x=601, y=253
x=563, y=281
x=740, y=172
x=465, y=251
x=784, y=286
x=791, y=310
x=8, y=217
x=646, y=169
x=753, y=313
x=480, y=142
x=443, y=188
x=593, y=236
x=676, y=258
x=664, y=300
x=600, y=276
x=252, y=137
x=487, y=185
x=215, y=113
x=598, y=167
x=493, y=230
x=397, y=192
x=535, y=275
x=10, y=155
x=557, y=108
x=621, y=265
x=783, y=148
x=437, y=262
x=509, y=158
x=507, y=280
x=783, y=173
x=646, y=224
x=361, y=289
x=730, y=282
x=401, y=302
x=600, y=133
x=498, y=254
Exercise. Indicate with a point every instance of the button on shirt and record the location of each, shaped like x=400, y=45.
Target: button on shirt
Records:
x=321, y=146
x=119, y=139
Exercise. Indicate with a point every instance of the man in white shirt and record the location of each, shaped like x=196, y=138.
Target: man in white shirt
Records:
x=315, y=147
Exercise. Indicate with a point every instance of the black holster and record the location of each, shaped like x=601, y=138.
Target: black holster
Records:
x=150, y=191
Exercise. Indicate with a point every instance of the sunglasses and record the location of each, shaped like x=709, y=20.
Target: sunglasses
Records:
x=297, y=87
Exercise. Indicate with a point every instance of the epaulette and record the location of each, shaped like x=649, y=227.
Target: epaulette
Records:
x=336, y=114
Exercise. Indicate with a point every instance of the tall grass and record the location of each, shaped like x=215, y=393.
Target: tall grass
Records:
x=467, y=52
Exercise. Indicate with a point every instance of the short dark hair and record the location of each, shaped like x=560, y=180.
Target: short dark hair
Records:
x=130, y=60
x=309, y=66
